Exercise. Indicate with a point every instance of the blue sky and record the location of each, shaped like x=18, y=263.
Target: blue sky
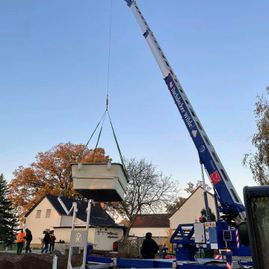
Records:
x=53, y=66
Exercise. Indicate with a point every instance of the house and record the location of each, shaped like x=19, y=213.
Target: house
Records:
x=190, y=211
x=157, y=224
x=48, y=214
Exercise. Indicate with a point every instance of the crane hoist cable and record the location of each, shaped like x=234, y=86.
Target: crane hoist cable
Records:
x=100, y=124
x=109, y=54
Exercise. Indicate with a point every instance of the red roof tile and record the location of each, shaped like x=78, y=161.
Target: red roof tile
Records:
x=152, y=220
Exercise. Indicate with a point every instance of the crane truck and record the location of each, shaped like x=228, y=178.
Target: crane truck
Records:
x=225, y=235
x=222, y=234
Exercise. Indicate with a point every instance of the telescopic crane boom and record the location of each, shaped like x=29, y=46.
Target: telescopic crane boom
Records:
x=225, y=191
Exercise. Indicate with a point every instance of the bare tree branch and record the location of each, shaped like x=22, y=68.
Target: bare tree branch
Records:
x=148, y=191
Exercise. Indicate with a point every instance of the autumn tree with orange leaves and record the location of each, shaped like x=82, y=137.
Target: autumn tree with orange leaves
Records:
x=50, y=174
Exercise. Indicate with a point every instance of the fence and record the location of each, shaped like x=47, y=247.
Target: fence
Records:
x=131, y=248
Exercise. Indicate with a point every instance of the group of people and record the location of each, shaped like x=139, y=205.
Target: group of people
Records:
x=148, y=250
x=48, y=242
x=25, y=238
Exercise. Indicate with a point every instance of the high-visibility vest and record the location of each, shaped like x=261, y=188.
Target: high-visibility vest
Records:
x=20, y=237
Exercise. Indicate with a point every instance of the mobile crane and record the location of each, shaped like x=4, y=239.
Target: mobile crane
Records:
x=227, y=195
x=210, y=235
x=221, y=235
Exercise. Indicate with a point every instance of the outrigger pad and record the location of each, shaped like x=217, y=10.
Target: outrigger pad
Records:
x=100, y=182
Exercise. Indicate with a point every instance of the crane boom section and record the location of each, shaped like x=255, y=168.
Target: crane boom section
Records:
x=226, y=193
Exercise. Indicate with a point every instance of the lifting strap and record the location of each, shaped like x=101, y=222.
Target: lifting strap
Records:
x=117, y=143
x=98, y=138
x=100, y=125
x=80, y=156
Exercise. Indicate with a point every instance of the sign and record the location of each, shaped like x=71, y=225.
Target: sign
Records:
x=79, y=238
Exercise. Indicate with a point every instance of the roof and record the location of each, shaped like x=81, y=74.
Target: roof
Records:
x=152, y=221
x=99, y=216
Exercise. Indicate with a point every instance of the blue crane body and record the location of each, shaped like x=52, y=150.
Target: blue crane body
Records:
x=227, y=196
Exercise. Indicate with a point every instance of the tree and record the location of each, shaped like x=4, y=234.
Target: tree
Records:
x=258, y=162
x=171, y=208
x=148, y=191
x=50, y=174
x=8, y=220
x=191, y=187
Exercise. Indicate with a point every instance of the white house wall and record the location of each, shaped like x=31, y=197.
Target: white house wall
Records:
x=101, y=238
x=38, y=225
x=190, y=211
x=105, y=237
x=156, y=232
x=63, y=234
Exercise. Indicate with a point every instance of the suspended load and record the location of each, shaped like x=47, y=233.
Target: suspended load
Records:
x=100, y=182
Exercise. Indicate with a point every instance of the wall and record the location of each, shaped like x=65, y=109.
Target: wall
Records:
x=104, y=237
x=63, y=234
x=101, y=238
x=156, y=232
x=38, y=225
x=190, y=211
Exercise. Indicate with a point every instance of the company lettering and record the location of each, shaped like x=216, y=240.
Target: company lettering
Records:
x=181, y=106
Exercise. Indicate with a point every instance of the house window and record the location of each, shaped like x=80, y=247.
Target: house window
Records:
x=38, y=214
x=48, y=211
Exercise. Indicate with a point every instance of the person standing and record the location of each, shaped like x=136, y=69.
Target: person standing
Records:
x=28, y=239
x=46, y=241
x=149, y=247
x=20, y=239
x=52, y=241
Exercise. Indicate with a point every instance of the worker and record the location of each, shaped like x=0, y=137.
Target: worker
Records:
x=149, y=247
x=164, y=250
x=52, y=241
x=20, y=241
x=45, y=241
x=28, y=239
